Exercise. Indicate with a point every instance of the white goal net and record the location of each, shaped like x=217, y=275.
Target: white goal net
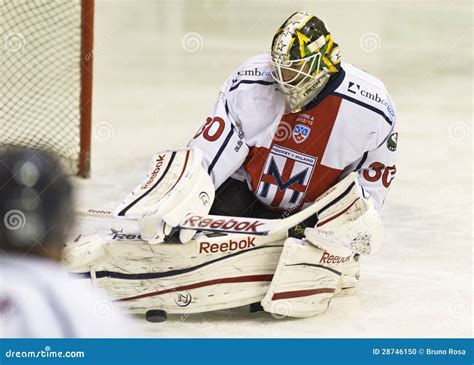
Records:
x=46, y=77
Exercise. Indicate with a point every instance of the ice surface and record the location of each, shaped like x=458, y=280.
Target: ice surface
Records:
x=150, y=93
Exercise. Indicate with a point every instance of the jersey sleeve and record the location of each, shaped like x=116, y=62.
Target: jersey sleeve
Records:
x=372, y=132
x=247, y=105
x=221, y=140
x=377, y=169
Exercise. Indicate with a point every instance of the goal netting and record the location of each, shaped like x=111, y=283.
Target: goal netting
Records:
x=46, y=77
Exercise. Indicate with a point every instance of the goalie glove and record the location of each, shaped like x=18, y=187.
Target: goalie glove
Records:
x=351, y=222
x=176, y=185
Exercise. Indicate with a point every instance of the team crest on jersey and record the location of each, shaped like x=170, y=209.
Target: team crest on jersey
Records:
x=285, y=178
x=392, y=142
x=300, y=133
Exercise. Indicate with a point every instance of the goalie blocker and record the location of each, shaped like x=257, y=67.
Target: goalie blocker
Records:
x=175, y=186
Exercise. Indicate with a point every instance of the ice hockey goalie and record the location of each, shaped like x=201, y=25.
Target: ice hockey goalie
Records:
x=299, y=144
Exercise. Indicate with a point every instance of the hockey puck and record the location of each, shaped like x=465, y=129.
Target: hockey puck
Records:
x=256, y=307
x=156, y=315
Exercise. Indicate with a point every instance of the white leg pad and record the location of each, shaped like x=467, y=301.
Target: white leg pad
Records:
x=302, y=285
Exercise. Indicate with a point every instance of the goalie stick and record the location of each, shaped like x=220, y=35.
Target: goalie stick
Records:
x=249, y=226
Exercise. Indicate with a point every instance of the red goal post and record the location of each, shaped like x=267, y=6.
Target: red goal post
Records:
x=87, y=47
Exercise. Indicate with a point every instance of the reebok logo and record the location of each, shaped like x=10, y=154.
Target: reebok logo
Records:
x=327, y=258
x=155, y=172
x=196, y=221
x=127, y=236
x=229, y=246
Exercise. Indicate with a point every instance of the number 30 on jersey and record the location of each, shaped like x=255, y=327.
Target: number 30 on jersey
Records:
x=212, y=130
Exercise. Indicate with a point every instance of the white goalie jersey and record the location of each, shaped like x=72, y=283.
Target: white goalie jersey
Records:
x=289, y=159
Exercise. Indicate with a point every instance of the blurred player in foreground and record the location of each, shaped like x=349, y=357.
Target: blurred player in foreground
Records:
x=37, y=297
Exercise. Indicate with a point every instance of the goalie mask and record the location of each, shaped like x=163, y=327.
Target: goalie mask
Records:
x=304, y=56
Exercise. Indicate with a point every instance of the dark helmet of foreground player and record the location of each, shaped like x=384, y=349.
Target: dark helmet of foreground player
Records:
x=304, y=56
x=35, y=201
